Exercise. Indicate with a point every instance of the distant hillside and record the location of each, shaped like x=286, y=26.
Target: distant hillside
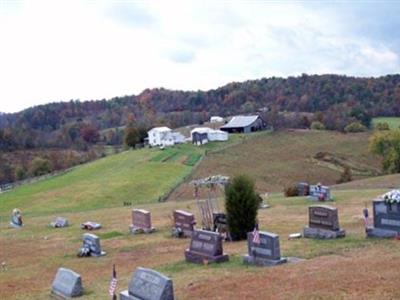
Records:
x=294, y=102
x=61, y=124
x=281, y=158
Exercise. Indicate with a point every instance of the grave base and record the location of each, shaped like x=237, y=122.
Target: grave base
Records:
x=15, y=225
x=263, y=262
x=381, y=233
x=98, y=255
x=137, y=230
x=199, y=258
x=318, y=233
x=124, y=295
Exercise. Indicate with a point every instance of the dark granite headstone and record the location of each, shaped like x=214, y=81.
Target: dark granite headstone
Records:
x=303, y=189
x=147, y=284
x=185, y=222
x=320, y=193
x=141, y=221
x=205, y=246
x=266, y=253
x=91, y=245
x=67, y=284
x=323, y=223
x=386, y=219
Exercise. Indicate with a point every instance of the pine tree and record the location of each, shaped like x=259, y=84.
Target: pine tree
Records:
x=241, y=203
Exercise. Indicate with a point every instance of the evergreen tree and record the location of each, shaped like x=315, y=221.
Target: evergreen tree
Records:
x=241, y=203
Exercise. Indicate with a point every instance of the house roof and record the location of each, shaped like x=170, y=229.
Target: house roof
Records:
x=201, y=130
x=160, y=129
x=240, y=121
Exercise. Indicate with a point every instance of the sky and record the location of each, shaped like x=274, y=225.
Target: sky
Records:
x=53, y=51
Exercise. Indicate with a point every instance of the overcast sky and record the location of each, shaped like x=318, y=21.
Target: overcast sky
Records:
x=61, y=50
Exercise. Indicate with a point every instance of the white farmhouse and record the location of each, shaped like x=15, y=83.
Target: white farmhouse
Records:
x=160, y=136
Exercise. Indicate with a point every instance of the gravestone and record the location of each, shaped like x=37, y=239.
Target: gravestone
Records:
x=59, y=222
x=184, y=223
x=67, y=284
x=147, y=284
x=205, y=247
x=303, y=189
x=91, y=246
x=89, y=225
x=386, y=219
x=320, y=193
x=141, y=222
x=265, y=253
x=323, y=223
x=16, y=218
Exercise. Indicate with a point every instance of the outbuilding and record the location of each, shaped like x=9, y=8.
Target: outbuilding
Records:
x=244, y=124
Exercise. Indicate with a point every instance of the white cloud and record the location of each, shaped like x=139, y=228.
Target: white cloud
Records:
x=54, y=51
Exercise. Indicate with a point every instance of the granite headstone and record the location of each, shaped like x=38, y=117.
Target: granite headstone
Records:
x=323, y=223
x=320, y=193
x=147, y=284
x=265, y=253
x=184, y=222
x=141, y=222
x=205, y=246
x=91, y=246
x=386, y=219
x=67, y=284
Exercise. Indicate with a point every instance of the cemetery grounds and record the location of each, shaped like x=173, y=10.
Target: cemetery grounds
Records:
x=350, y=268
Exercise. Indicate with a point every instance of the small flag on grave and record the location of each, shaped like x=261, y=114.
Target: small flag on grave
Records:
x=113, y=285
x=256, y=235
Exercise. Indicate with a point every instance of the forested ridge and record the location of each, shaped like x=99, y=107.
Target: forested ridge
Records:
x=333, y=100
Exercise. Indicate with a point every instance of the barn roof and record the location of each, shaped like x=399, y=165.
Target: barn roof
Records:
x=241, y=121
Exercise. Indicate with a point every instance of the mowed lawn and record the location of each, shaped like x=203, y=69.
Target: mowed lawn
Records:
x=281, y=158
x=129, y=176
x=349, y=268
x=393, y=122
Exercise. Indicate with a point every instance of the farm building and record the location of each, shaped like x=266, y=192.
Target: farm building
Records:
x=178, y=137
x=164, y=136
x=244, y=124
x=216, y=119
x=160, y=136
x=202, y=135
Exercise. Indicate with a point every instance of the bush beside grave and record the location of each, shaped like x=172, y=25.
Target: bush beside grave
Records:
x=291, y=191
x=241, y=202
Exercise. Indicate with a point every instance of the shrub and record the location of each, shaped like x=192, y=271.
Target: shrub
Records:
x=291, y=191
x=316, y=125
x=346, y=175
x=382, y=126
x=40, y=166
x=355, y=127
x=241, y=203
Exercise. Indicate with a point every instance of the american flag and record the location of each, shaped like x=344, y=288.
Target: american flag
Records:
x=113, y=284
x=256, y=235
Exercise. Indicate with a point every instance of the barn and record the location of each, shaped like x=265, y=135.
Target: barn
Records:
x=244, y=124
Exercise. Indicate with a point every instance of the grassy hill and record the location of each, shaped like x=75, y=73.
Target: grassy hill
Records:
x=280, y=158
